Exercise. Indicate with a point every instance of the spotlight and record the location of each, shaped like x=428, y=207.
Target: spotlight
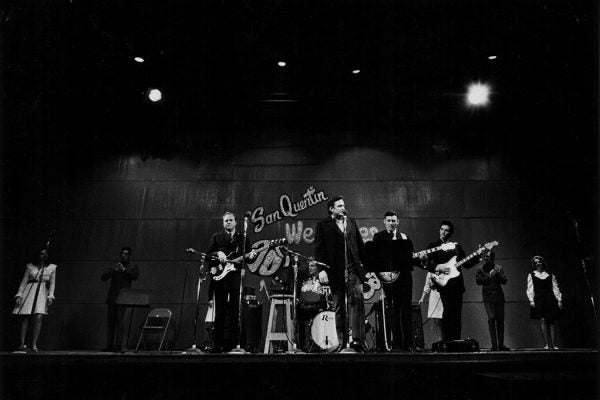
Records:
x=282, y=63
x=492, y=57
x=356, y=71
x=154, y=95
x=138, y=59
x=478, y=94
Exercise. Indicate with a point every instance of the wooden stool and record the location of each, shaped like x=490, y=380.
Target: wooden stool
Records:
x=282, y=300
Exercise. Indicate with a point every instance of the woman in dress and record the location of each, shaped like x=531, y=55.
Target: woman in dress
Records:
x=35, y=294
x=435, y=311
x=545, y=299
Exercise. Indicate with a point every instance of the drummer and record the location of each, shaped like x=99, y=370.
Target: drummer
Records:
x=313, y=293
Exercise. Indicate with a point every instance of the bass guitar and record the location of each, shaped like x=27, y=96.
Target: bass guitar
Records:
x=451, y=269
x=391, y=276
x=221, y=270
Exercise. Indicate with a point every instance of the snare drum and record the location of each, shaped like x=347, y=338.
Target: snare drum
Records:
x=323, y=332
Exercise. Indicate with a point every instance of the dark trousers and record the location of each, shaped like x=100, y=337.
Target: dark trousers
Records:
x=116, y=332
x=451, y=296
x=356, y=305
x=398, y=298
x=495, y=313
x=226, y=292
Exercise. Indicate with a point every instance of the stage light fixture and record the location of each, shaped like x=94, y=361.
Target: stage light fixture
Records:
x=492, y=57
x=356, y=71
x=282, y=63
x=139, y=59
x=478, y=94
x=154, y=95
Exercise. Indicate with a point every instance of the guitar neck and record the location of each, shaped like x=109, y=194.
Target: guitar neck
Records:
x=428, y=251
x=467, y=258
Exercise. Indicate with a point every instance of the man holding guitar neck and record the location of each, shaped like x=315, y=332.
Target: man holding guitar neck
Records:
x=452, y=292
x=226, y=245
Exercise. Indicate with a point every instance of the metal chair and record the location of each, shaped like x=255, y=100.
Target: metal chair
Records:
x=155, y=328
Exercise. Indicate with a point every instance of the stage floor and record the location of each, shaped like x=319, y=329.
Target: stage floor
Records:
x=523, y=373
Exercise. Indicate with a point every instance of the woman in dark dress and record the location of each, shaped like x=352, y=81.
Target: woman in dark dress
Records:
x=545, y=299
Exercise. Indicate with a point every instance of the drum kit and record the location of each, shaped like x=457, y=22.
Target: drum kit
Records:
x=317, y=297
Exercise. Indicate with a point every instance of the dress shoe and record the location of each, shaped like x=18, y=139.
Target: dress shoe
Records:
x=109, y=349
x=359, y=346
x=503, y=348
x=494, y=348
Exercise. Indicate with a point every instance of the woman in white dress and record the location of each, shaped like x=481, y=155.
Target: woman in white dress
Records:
x=32, y=299
x=435, y=310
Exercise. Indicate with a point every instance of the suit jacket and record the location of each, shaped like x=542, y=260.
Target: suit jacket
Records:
x=329, y=249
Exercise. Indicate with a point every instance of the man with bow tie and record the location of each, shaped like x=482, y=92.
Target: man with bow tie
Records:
x=338, y=243
x=398, y=293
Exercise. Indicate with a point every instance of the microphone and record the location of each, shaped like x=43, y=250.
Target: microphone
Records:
x=247, y=215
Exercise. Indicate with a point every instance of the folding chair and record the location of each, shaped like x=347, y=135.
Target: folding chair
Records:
x=155, y=329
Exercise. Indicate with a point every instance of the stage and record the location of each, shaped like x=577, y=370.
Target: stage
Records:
x=517, y=374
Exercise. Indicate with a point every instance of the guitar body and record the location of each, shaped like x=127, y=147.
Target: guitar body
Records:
x=388, y=277
x=223, y=272
x=442, y=278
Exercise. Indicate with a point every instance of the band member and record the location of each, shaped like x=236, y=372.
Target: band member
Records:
x=224, y=245
x=121, y=275
x=435, y=310
x=313, y=290
x=35, y=295
x=398, y=293
x=491, y=277
x=545, y=299
x=452, y=292
x=338, y=243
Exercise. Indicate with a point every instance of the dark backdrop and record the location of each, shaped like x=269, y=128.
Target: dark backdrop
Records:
x=83, y=153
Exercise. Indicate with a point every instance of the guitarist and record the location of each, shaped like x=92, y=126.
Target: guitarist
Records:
x=452, y=293
x=224, y=245
x=399, y=292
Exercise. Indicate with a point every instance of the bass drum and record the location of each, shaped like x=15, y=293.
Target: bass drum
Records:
x=323, y=331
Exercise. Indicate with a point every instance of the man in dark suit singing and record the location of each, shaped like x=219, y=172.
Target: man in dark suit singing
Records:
x=338, y=244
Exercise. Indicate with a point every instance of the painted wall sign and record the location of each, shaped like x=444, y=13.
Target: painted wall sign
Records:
x=288, y=208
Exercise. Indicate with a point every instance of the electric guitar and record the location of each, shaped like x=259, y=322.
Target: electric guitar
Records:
x=442, y=278
x=221, y=270
x=391, y=276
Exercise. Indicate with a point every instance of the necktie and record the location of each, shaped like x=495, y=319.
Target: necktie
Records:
x=394, y=238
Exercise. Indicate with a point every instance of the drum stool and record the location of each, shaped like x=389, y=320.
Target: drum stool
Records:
x=281, y=300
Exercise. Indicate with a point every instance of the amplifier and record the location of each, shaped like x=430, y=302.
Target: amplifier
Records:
x=456, y=346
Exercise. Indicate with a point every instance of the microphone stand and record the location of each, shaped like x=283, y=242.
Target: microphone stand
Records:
x=347, y=349
x=41, y=276
x=201, y=278
x=295, y=349
x=239, y=349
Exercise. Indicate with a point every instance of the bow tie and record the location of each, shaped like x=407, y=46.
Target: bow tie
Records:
x=339, y=217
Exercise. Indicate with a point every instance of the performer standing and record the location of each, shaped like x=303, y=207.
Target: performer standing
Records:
x=224, y=245
x=452, y=292
x=35, y=294
x=545, y=299
x=491, y=277
x=338, y=240
x=121, y=275
x=398, y=293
